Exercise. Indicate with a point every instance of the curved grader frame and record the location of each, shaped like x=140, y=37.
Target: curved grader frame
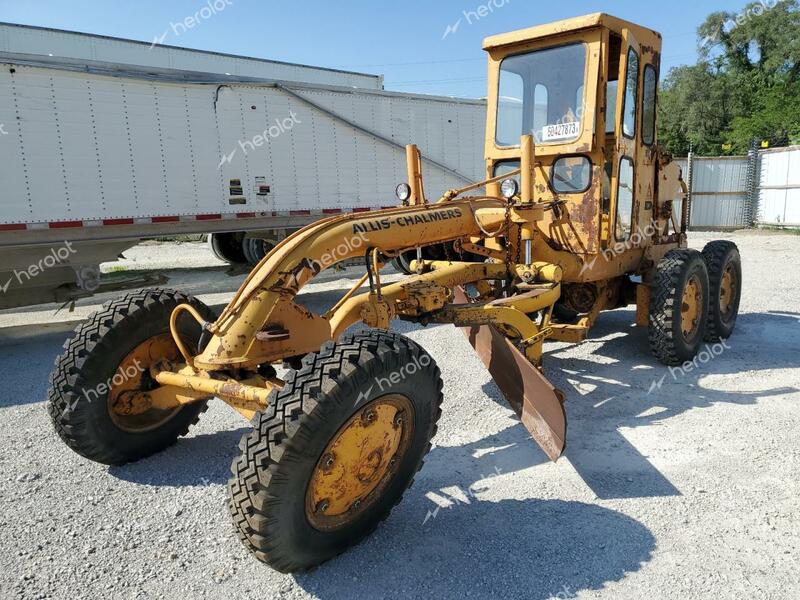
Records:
x=534, y=245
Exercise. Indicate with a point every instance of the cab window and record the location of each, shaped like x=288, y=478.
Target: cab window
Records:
x=631, y=86
x=624, y=199
x=542, y=93
x=649, y=105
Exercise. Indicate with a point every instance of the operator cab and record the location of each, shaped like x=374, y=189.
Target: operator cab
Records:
x=584, y=89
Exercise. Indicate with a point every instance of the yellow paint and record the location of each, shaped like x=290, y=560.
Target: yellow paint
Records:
x=359, y=461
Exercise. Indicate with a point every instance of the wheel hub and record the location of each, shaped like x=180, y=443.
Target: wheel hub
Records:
x=727, y=292
x=126, y=405
x=359, y=462
x=691, y=307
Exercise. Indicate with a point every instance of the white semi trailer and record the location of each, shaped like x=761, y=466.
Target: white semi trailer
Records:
x=96, y=154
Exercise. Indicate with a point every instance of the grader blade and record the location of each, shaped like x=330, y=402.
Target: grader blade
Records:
x=531, y=396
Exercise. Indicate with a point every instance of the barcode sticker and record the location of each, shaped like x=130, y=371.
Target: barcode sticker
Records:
x=561, y=131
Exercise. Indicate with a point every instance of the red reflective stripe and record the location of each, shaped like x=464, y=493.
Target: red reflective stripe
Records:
x=65, y=224
x=117, y=221
x=245, y=215
x=299, y=213
x=13, y=226
x=165, y=219
x=331, y=211
x=362, y=209
x=208, y=217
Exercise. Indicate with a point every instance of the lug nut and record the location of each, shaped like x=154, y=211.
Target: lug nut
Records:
x=322, y=506
x=369, y=416
x=328, y=460
x=355, y=505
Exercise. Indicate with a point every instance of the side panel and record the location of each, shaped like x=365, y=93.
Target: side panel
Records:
x=779, y=201
x=84, y=147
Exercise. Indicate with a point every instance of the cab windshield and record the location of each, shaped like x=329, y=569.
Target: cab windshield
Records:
x=542, y=93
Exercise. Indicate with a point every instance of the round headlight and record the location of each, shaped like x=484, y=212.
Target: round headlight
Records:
x=403, y=192
x=509, y=188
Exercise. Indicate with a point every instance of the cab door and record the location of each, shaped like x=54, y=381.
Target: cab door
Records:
x=628, y=156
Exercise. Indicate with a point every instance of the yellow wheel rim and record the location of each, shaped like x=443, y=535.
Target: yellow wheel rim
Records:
x=359, y=462
x=727, y=292
x=691, y=307
x=125, y=405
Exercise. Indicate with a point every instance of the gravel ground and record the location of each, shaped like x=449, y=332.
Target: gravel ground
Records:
x=686, y=490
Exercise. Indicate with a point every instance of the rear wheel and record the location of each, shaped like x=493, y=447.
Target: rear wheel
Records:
x=255, y=249
x=228, y=247
x=678, y=306
x=90, y=398
x=725, y=282
x=335, y=450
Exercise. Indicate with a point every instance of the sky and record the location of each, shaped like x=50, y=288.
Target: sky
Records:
x=408, y=41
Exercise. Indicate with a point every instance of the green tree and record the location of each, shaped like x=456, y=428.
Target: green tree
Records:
x=745, y=86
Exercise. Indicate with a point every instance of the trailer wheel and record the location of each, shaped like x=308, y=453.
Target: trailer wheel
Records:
x=679, y=306
x=335, y=450
x=725, y=278
x=228, y=247
x=255, y=249
x=109, y=356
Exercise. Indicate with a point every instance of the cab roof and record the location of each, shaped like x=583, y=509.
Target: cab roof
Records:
x=565, y=26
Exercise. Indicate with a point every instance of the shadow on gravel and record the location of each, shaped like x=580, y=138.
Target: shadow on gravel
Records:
x=630, y=388
x=196, y=461
x=25, y=369
x=476, y=547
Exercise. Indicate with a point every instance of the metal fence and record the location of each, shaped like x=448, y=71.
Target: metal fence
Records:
x=779, y=188
x=735, y=192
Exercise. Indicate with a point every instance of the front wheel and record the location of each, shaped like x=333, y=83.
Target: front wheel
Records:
x=109, y=359
x=335, y=449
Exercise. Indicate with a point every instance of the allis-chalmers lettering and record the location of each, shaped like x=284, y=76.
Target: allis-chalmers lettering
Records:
x=407, y=220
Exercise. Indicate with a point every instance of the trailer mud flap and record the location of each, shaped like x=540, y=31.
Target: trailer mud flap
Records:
x=538, y=404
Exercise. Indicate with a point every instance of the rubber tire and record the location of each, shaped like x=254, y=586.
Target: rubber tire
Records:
x=93, y=356
x=270, y=479
x=666, y=338
x=255, y=249
x=403, y=261
x=564, y=315
x=228, y=247
x=717, y=255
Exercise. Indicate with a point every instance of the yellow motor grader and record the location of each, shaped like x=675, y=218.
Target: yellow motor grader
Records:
x=580, y=212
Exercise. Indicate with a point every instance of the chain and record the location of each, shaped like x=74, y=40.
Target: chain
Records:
x=448, y=255
x=508, y=236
